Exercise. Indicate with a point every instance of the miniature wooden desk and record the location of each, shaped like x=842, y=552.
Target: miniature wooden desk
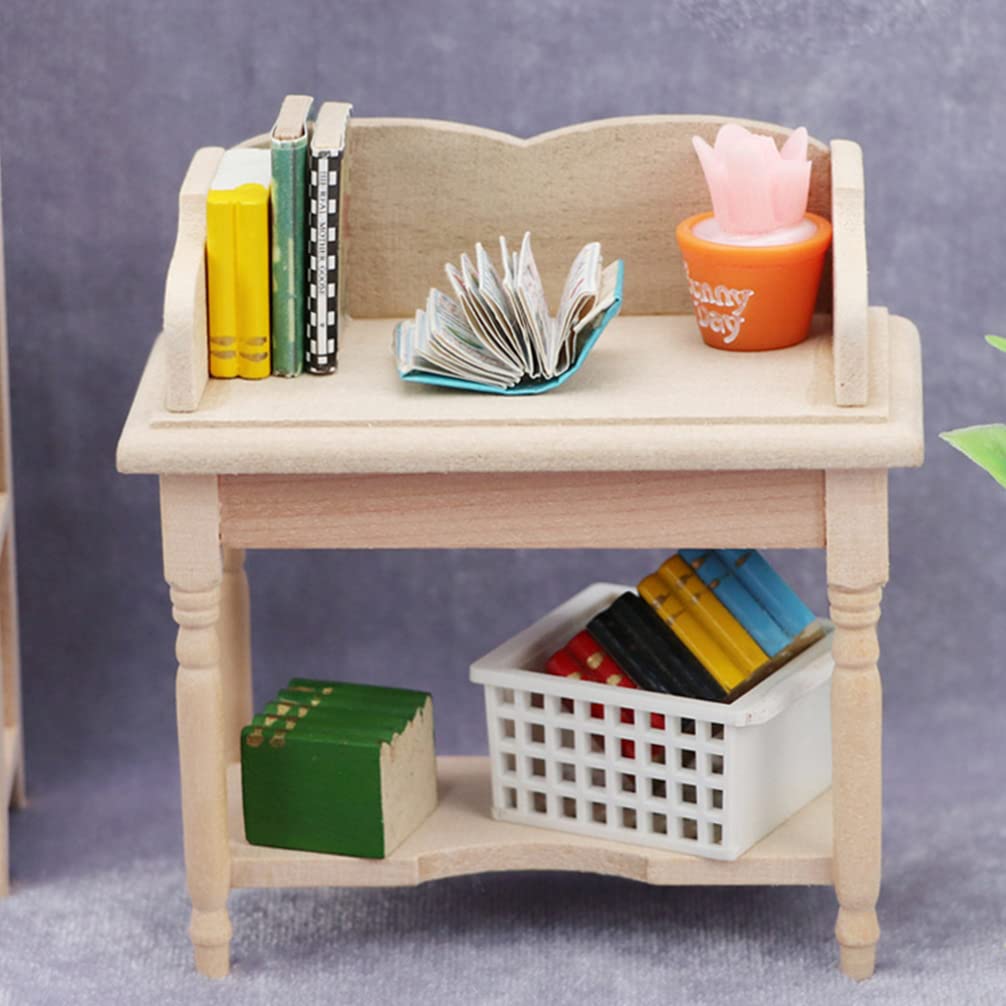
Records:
x=658, y=443
x=12, y=787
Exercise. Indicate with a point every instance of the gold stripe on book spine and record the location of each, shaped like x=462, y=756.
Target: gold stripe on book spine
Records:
x=284, y=724
x=288, y=709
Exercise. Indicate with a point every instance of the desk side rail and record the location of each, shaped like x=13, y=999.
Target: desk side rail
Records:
x=185, y=307
x=849, y=274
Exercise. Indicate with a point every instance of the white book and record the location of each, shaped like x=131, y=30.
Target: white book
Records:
x=497, y=329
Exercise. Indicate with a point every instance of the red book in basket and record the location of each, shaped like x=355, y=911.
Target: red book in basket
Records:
x=565, y=663
x=587, y=649
x=603, y=669
x=583, y=658
x=599, y=666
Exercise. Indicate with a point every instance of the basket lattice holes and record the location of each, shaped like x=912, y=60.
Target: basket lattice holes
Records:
x=636, y=766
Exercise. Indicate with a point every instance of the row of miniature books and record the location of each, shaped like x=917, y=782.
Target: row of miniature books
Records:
x=338, y=767
x=708, y=624
x=272, y=248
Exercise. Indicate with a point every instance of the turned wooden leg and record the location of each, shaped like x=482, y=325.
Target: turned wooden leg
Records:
x=192, y=565
x=857, y=571
x=12, y=760
x=234, y=633
x=4, y=852
x=10, y=655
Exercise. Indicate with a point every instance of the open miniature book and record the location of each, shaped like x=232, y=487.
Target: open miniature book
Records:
x=497, y=335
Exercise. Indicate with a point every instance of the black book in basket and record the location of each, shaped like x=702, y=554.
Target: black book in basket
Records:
x=636, y=638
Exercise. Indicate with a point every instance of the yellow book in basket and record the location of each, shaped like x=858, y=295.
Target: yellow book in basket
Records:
x=237, y=265
x=702, y=623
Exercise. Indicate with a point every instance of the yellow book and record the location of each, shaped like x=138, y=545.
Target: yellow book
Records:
x=237, y=265
x=702, y=623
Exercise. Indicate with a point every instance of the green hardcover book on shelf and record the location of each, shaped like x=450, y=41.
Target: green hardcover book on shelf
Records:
x=355, y=777
x=288, y=204
x=313, y=691
x=357, y=720
x=291, y=704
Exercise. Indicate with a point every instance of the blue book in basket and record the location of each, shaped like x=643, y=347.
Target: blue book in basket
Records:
x=754, y=593
x=496, y=334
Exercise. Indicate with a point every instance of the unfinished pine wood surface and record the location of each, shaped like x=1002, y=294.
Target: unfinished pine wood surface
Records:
x=6, y=519
x=851, y=284
x=422, y=191
x=704, y=409
x=10, y=766
x=194, y=571
x=11, y=745
x=12, y=772
x=658, y=441
x=525, y=510
x=462, y=838
x=200, y=512
x=857, y=562
x=794, y=385
x=186, y=336
x=234, y=639
x=10, y=657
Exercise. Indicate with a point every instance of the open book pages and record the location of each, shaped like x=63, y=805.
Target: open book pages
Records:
x=496, y=331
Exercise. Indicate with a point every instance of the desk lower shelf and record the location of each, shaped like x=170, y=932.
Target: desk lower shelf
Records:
x=461, y=837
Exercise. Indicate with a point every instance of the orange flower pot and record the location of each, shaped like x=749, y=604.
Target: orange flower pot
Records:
x=753, y=297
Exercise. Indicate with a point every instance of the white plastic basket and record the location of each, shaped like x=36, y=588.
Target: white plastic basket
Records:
x=711, y=780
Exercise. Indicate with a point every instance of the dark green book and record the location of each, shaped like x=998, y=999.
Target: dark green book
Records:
x=288, y=212
x=384, y=725
x=297, y=705
x=354, y=777
x=355, y=692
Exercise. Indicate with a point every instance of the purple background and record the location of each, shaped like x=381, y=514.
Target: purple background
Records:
x=101, y=106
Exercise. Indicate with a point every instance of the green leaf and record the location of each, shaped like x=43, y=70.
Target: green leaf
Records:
x=996, y=340
x=984, y=445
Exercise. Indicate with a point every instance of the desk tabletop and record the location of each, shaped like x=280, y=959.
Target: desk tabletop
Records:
x=652, y=397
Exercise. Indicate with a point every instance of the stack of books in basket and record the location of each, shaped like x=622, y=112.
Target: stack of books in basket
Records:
x=708, y=624
x=690, y=714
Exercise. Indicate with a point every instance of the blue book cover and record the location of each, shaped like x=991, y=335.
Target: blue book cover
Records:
x=737, y=599
x=769, y=589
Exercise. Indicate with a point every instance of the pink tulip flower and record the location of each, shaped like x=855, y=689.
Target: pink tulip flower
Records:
x=755, y=187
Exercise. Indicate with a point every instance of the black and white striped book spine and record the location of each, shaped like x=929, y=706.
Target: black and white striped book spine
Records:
x=321, y=342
